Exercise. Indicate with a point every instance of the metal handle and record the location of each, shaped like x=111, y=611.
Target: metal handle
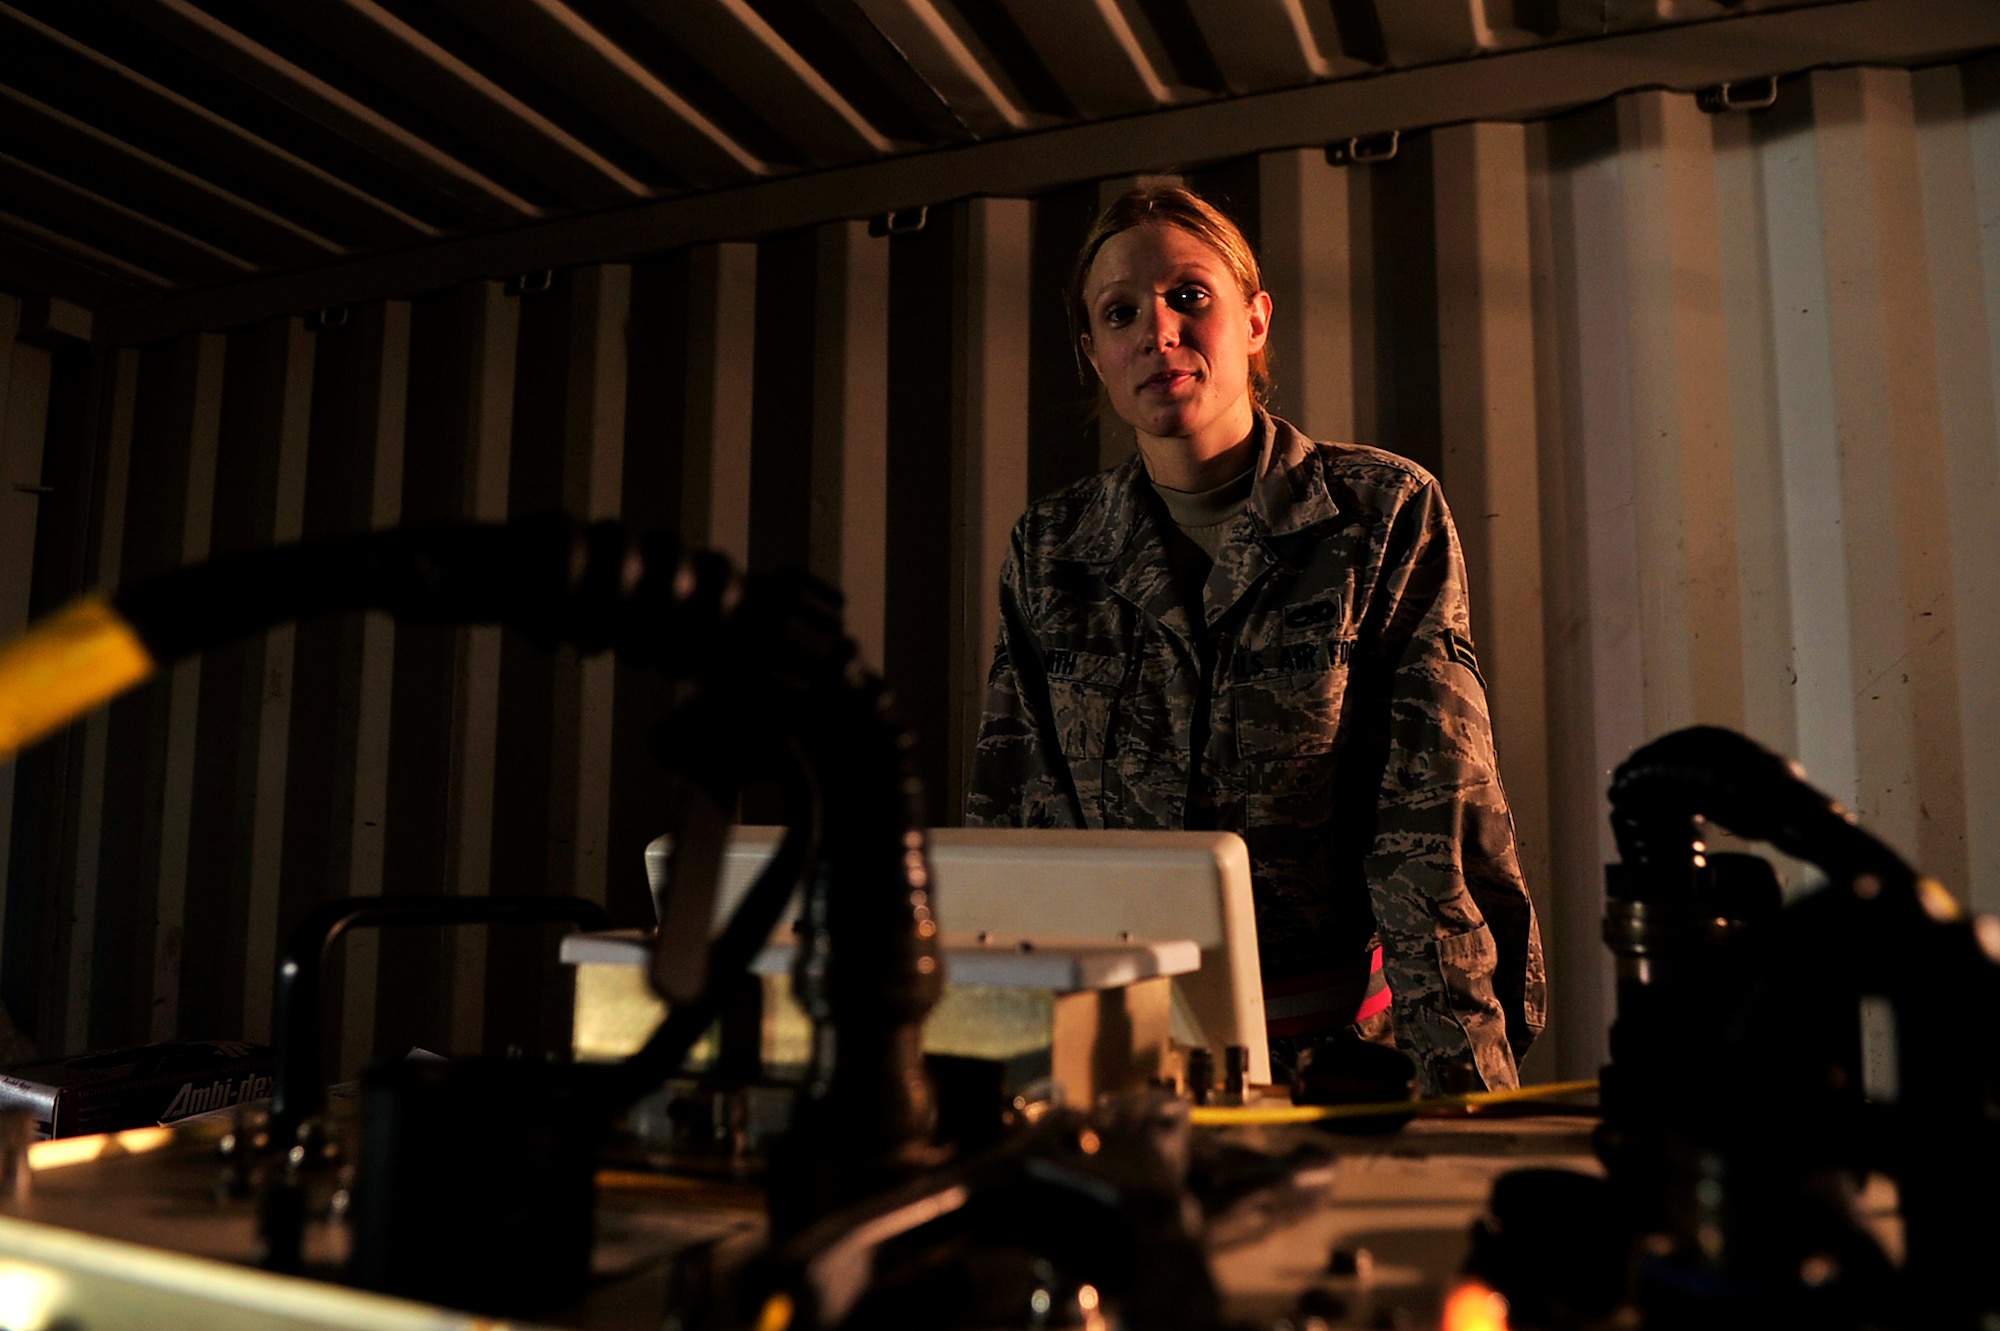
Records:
x=296, y=1090
x=1742, y=95
x=899, y=221
x=1364, y=149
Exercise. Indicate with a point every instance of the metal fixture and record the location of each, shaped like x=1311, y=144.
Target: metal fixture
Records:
x=899, y=221
x=1742, y=95
x=1364, y=149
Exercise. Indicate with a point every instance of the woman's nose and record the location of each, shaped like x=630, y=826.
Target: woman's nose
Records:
x=1163, y=329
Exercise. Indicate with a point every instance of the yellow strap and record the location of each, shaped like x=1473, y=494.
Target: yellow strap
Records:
x=777, y=1313
x=1937, y=900
x=1239, y=1116
x=60, y=1151
x=83, y=655
x=1474, y=1306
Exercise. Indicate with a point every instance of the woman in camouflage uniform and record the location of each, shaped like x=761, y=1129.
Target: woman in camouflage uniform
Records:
x=1241, y=629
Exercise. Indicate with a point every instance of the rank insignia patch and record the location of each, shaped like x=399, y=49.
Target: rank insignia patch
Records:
x=1459, y=648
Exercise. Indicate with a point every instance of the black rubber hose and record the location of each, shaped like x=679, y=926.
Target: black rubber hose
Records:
x=868, y=972
x=557, y=581
x=1719, y=775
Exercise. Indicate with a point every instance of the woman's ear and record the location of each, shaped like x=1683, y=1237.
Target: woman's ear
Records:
x=1089, y=350
x=1260, y=321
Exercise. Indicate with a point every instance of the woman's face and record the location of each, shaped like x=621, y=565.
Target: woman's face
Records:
x=1171, y=336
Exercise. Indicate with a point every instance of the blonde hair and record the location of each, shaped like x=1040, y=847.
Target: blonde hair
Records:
x=1175, y=206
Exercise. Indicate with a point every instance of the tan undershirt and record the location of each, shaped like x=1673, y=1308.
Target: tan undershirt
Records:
x=1205, y=515
x=1200, y=522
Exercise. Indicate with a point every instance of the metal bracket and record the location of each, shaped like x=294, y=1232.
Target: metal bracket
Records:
x=49, y=321
x=899, y=221
x=1743, y=95
x=333, y=316
x=530, y=283
x=1363, y=149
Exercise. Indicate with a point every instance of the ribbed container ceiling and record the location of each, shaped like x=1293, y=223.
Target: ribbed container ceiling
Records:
x=159, y=146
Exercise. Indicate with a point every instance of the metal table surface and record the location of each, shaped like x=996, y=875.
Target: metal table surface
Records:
x=143, y=1241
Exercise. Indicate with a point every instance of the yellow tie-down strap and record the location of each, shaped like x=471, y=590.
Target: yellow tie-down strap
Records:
x=78, y=658
x=1245, y=1116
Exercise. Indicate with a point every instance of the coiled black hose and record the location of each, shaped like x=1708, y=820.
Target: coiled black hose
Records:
x=1659, y=792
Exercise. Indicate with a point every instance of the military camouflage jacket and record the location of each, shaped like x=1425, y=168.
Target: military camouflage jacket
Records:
x=1330, y=710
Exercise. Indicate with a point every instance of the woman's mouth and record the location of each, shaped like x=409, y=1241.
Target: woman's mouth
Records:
x=1167, y=380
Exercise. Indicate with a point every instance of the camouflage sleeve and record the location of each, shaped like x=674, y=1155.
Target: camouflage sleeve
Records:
x=1018, y=776
x=1459, y=940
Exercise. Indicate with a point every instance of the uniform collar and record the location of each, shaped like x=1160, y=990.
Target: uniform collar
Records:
x=1289, y=497
x=1116, y=532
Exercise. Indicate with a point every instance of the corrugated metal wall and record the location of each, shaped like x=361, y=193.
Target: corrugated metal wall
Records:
x=1713, y=399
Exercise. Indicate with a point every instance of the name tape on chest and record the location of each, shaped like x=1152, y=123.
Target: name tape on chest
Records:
x=1291, y=658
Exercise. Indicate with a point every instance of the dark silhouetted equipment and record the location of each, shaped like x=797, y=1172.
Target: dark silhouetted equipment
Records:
x=1766, y=1059
x=1764, y=1062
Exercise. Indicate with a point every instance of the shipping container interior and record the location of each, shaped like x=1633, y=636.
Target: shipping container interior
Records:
x=1694, y=308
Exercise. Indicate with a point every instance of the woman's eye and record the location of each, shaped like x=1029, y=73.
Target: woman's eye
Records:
x=1188, y=298
x=1117, y=316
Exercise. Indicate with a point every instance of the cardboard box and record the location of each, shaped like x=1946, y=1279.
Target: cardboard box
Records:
x=136, y=1088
